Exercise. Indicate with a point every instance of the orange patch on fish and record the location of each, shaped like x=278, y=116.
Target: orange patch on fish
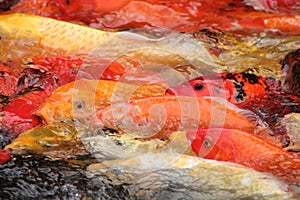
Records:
x=80, y=99
x=244, y=148
x=158, y=117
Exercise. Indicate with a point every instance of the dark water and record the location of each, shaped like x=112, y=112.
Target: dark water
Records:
x=34, y=177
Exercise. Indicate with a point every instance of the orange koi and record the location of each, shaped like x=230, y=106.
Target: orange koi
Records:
x=241, y=147
x=158, y=117
x=80, y=99
x=180, y=15
x=37, y=81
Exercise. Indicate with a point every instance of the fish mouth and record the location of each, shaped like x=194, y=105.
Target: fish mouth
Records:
x=170, y=91
x=181, y=91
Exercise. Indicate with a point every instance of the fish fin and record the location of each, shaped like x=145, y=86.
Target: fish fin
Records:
x=258, y=5
x=251, y=116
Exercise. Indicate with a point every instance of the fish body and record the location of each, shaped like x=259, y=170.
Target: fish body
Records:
x=37, y=81
x=4, y=156
x=263, y=95
x=18, y=115
x=244, y=148
x=40, y=36
x=56, y=141
x=158, y=117
x=183, y=15
x=16, y=79
x=198, y=178
x=80, y=99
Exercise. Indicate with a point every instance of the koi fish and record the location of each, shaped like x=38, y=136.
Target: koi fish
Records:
x=262, y=95
x=291, y=67
x=45, y=37
x=56, y=71
x=4, y=156
x=80, y=99
x=183, y=16
x=38, y=80
x=56, y=141
x=241, y=147
x=236, y=88
x=18, y=115
x=222, y=180
x=158, y=117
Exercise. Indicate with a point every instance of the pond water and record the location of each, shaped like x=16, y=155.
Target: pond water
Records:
x=61, y=161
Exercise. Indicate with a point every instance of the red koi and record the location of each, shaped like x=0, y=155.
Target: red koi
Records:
x=17, y=115
x=234, y=87
x=262, y=95
x=38, y=81
x=244, y=148
x=4, y=156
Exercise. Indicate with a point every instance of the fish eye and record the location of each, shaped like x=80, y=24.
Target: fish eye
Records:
x=79, y=104
x=207, y=141
x=198, y=86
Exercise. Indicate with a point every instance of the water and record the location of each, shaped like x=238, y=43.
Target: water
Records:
x=174, y=58
x=35, y=177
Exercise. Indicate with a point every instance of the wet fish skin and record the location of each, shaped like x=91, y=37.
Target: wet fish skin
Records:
x=4, y=156
x=199, y=178
x=45, y=37
x=234, y=87
x=180, y=16
x=57, y=141
x=80, y=99
x=245, y=148
x=262, y=95
x=158, y=117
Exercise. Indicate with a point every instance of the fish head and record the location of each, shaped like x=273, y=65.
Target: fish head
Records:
x=201, y=87
x=75, y=100
x=56, y=141
x=212, y=143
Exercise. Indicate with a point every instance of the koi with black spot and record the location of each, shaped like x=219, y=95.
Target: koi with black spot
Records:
x=263, y=95
x=234, y=87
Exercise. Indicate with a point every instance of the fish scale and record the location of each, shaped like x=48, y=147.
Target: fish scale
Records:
x=181, y=113
x=46, y=34
x=94, y=94
x=245, y=148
